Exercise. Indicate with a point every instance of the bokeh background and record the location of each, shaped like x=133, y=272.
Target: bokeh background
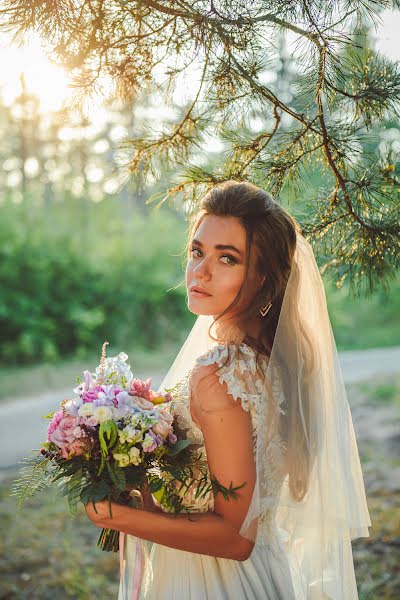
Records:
x=85, y=257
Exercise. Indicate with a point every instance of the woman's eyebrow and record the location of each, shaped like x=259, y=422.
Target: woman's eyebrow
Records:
x=218, y=246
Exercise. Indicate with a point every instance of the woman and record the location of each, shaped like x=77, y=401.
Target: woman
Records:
x=263, y=397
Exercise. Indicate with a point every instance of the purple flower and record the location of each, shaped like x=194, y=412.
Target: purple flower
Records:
x=149, y=443
x=92, y=393
x=158, y=439
x=118, y=396
x=85, y=385
x=172, y=439
x=88, y=379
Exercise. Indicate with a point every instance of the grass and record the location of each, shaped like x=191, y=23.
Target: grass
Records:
x=365, y=321
x=377, y=559
x=45, y=554
x=385, y=392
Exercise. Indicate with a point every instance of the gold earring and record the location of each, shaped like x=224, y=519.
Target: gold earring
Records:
x=265, y=309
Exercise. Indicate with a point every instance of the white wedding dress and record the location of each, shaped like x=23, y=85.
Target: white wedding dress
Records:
x=170, y=574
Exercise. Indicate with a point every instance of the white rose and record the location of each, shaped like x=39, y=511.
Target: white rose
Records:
x=86, y=410
x=102, y=413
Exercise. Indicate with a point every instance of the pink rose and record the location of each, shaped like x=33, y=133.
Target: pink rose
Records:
x=143, y=403
x=76, y=448
x=164, y=426
x=63, y=434
x=54, y=423
x=140, y=388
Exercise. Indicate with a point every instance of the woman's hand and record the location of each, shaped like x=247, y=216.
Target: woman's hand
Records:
x=146, y=500
x=100, y=517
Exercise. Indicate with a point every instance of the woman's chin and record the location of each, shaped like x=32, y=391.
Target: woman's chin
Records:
x=199, y=310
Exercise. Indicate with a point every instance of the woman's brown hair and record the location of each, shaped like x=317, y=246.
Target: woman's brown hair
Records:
x=271, y=235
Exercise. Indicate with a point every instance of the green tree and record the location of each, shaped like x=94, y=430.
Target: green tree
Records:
x=340, y=94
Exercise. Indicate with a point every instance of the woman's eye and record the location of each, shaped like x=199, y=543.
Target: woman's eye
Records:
x=231, y=259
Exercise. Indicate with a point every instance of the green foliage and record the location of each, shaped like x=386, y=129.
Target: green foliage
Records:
x=34, y=477
x=364, y=322
x=117, y=475
x=64, y=291
x=178, y=447
x=109, y=430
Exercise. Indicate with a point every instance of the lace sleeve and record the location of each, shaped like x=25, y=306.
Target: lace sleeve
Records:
x=237, y=369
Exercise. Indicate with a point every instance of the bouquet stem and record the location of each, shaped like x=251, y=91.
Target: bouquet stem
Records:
x=109, y=540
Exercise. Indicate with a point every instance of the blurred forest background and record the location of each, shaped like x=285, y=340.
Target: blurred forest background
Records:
x=84, y=257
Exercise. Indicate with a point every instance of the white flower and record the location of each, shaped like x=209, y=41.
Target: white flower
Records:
x=121, y=459
x=130, y=434
x=80, y=389
x=134, y=455
x=135, y=419
x=102, y=413
x=86, y=410
x=120, y=411
x=72, y=406
x=117, y=367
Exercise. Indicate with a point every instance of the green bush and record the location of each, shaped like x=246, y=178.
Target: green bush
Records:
x=64, y=290
x=77, y=273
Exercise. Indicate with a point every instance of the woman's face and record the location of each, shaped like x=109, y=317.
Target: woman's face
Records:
x=216, y=264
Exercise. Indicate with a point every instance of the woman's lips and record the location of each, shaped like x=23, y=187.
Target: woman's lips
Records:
x=199, y=294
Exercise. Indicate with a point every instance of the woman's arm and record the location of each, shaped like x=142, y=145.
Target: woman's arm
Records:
x=203, y=533
x=228, y=439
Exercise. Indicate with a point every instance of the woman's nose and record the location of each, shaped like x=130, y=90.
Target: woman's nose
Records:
x=202, y=268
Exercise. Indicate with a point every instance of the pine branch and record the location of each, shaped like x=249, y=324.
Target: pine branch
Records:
x=343, y=90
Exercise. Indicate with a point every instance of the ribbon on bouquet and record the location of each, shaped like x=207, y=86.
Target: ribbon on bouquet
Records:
x=131, y=575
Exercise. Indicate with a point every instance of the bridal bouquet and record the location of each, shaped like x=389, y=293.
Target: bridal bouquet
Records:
x=115, y=435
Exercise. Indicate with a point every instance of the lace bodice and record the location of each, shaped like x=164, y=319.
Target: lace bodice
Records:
x=244, y=380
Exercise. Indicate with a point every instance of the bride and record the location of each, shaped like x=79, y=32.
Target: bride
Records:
x=264, y=399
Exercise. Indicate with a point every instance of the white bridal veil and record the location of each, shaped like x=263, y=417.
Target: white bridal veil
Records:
x=304, y=403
